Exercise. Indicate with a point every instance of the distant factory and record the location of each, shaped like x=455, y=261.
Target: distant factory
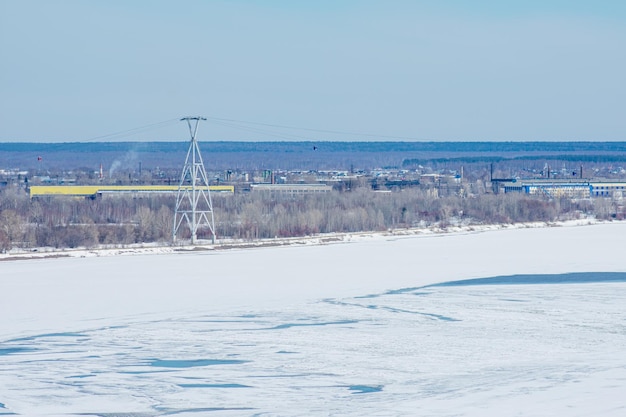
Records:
x=291, y=189
x=563, y=188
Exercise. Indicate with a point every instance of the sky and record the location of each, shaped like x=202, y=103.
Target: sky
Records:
x=79, y=71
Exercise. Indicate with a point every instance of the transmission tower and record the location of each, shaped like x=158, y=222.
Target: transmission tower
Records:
x=193, y=202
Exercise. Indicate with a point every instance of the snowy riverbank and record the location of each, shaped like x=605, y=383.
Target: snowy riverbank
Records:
x=316, y=328
x=226, y=244
x=103, y=283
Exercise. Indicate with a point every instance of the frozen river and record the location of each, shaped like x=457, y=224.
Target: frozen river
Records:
x=350, y=329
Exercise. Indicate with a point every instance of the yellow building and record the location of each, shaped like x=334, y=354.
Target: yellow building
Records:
x=94, y=191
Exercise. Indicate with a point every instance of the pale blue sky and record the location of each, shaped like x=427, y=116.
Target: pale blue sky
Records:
x=428, y=70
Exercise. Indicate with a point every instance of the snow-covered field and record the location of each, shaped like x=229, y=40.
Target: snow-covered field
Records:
x=352, y=328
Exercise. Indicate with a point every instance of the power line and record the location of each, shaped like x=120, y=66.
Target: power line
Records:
x=337, y=132
x=266, y=132
x=267, y=129
x=136, y=130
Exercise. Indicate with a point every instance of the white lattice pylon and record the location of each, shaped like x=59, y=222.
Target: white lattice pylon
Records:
x=193, y=201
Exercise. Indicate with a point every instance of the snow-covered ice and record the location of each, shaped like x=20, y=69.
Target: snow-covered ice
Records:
x=354, y=328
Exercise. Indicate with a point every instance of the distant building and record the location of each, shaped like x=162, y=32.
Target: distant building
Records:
x=291, y=189
x=559, y=190
x=608, y=189
x=566, y=188
x=94, y=191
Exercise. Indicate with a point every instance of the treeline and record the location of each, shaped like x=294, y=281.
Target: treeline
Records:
x=542, y=159
x=317, y=154
x=63, y=222
x=217, y=146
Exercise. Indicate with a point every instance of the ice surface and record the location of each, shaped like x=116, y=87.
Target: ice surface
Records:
x=345, y=329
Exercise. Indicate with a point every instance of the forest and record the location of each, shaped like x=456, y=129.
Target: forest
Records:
x=220, y=155
x=62, y=222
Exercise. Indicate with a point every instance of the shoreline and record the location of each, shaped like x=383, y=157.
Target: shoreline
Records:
x=20, y=254
x=94, y=288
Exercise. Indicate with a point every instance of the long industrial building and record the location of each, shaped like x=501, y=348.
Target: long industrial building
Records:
x=95, y=191
x=291, y=189
x=566, y=188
